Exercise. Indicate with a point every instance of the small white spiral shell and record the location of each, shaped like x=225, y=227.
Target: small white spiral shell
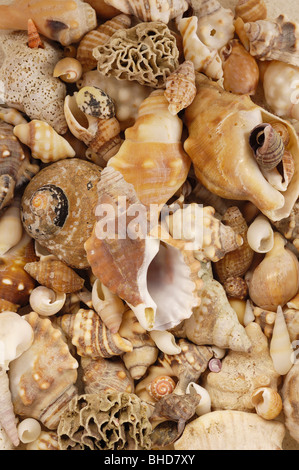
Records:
x=260, y=235
x=29, y=430
x=45, y=301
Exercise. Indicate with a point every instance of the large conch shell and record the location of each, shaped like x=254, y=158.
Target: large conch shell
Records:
x=152, y=157
x=155, y=275
x=35, y=91
x=58, y=208
x=42, y=379
x=231, y=430
x=242, y=373
x=64, y=22
x=219, y=125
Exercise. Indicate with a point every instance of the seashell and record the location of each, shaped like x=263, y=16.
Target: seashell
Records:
x=203, y=58
x=127, y=95
x=5, y=442
x=154, y=10
x=241, y=373
x=70, y=51
x=45, y=301
x=215, y=25
x=120, y=422
x=251, y=10
x=241, y=33
x=260, y=235
x=108, y=306
x=44, y=142
x=146, y=53
x=289, y=226
x=173, y=407
x=12, y=116
x=36, y=92
x=205, y=400
x=144, y=352
x=215, y=365
x=16, y=284
x=56, y=275
x=29, y=430
x=273, y=40
x=236, y=287
x=214, y=169
x=15, y=338
x=106, y=375
x=238, y=64
x=66, y=25
x=289, y=394
x=47, y=440
x=41, y=388
x=103, y=9
x=136, y=283
x=34, y=39
x=95, y=102
x=11, y=228
x=275, y=280
x=280, y=88
x=267, y=146
x=68, y=69
x=54, y=201
x=266, y=320
x=267, y=402
x=280, y=345
x=180, y=87
x=237, y=262
x=16, y=168
x=161, y=386
x=90, y=336
x=164, y=435
x=98, y=37
x=231, y=430
x=215, y=322
x=165, y=341
x=152, y=157
x=100, y=135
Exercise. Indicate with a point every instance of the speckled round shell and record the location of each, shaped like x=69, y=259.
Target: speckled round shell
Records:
x=58, y=208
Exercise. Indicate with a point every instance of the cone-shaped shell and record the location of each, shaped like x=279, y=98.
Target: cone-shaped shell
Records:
x=219, y=125
x=152, y=157
x=180, y=87
x=231, y=430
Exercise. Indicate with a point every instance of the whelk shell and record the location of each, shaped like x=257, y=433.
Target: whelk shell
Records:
x=267, y=146
x=180, y=87
x=44, y=142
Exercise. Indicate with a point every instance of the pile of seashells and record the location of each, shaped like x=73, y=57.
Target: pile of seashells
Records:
x=151, y=340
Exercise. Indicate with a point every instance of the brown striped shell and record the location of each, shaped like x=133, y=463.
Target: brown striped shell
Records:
x=109, y=375
x=55, y=274
x=251, y=10
x=267, y=146
x=180, y=87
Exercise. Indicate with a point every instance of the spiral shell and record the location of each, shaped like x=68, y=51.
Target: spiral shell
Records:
x=161, y=386
x=68, y=69
x=251, y=10
x=267, y=402
x=45, y=301
x=180, y=87
x=106, y=375
x=34, y=39
x=267, y=146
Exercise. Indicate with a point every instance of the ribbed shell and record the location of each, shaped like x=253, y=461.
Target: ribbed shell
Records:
x=251, y=10
x=267, y=145
x=180, y=87
x=98, y=37
x=151, y=10
x=109, y=375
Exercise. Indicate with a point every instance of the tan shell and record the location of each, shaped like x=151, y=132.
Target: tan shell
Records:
x=231, y=430
x=251, y=10
x=98, y=37
x=46, y=441
x=276, y=279
x=266, y=320
x=41, y=387
x=11, y=228
x=108, y=375
x=67, y=25
x=103, y=9
x=161, y=386
x=267, y=402
x=16, y=168
x=155, y=51
x=108, y=306
x=180, y=87
x=289, y=226
x=238, y=64
x=144, y=352
x=72, y=183
x=237, y=262
x=242, y=373
x=68, y=70
x=44, y=142
x=153, y=10
x=12, y=116
x=274, y=40
x=215, y=132
x=45, y=93
x=88, y=333
x=290, y=400
x=56, y=275
x=152, y=157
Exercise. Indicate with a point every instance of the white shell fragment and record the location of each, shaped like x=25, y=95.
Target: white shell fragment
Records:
x=165, y=341
x=260, y=235
x=205, y=399
x=280, y=345
x=29, y=430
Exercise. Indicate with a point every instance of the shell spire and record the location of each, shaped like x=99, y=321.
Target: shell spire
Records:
x=180, y=87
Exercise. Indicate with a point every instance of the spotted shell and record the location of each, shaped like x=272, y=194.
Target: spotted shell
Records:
x=95, y=102
x=41, y=387
x=58, y=207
